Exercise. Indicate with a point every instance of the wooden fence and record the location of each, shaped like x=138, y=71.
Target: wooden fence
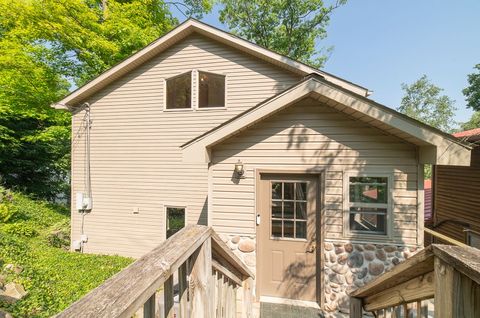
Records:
x=211, y=282
x=448, y=274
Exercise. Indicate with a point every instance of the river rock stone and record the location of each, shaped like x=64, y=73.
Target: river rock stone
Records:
x=13, y=292
x=339, y=269
x=362, y=273
x=246, y=245
x=339, y=250
x=369, y=247
x=349, y=278
x=355, y=260
x=342, y=259
x=348, y=247
x=337, y=279
x=375, y=268
x=369, y=255
x=395, y=261
x=333, y=257
x=13, y=268
x=390, y=249
x=235, y=239
x=359, y=248
x=4, y=314
x=328, y=246
x=380, y=254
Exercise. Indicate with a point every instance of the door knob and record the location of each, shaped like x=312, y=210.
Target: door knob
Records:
x=312, y=248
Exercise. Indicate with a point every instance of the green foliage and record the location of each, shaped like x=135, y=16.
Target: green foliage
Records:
x=45, y=47
x=472, y=92
x=53, y=277
x=473, y=123
x=289, y=27
x=423, y=101
x=7, y=208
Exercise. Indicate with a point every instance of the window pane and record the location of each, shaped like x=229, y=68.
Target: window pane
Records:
x=368, y=189
x=212, y=90
x=301, y=210
x=301, y=191
x=175, y=220
x=288, y=190
x=276, y=190
x=179, y=91
x=277, y=209
x=288, y=229
x=301, y=228
x=276, y=228
x=288, y=209
x=368, y=220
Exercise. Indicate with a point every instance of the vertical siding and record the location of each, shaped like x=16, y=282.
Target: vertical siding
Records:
x=313, y=136
x=456, y=197
x=136, y=161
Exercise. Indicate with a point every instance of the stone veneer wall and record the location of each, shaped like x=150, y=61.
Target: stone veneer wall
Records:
x=347, y=265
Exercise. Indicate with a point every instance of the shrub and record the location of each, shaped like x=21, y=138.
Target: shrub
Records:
x=26, y=229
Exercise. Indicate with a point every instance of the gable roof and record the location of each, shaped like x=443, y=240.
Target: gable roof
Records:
x=177, y=34
x=470, y=135
x=435, y=146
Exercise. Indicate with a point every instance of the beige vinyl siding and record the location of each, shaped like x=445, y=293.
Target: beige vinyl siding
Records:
x=312, y=136
x=136, y=161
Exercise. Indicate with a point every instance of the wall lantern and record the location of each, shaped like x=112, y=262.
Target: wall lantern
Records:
x=239, y=171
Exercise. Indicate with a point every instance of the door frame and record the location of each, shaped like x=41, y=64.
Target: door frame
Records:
x=320, y=222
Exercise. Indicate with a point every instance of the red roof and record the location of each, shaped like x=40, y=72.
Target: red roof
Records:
x=427, y=186
x=467, y=133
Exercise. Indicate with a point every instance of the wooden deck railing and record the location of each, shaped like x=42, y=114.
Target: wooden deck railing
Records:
x=211, y=281
x=448, y=274
x=432, y=236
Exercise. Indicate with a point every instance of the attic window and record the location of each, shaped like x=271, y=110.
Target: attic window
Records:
x=179, y=91
x=211, y=90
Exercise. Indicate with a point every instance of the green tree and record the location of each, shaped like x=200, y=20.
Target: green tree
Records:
x=46, y=46
x=424, y=101
x=472, y=92
x=473, y=123
x=289, y=27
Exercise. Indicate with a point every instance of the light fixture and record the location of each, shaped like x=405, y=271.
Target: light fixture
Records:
x=238, y=171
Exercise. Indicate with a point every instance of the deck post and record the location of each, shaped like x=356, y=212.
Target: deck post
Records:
x=168, y=297
x=202, y=296
x=183, y=290
x=355, y=307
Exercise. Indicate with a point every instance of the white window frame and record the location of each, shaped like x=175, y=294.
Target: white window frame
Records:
x=197, y=89
x=165, y=219
x=192, y=96
x=346, y=207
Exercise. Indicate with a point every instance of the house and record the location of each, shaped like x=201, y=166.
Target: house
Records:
x=315, y=186
x=455, y=196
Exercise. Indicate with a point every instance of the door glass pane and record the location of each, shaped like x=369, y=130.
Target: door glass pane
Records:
x=277, y=190
x=175, y=220
x=288, y=209
x=301, y=210
x=277, y=209
x=288, y=190
x=288, y=229
x=276, y=228
x=301, y=229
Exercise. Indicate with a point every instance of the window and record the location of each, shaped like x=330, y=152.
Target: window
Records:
x=289, y=209
x=175, y=220
x=179, y=91
x=368, y=205
x=211, y=90
x=473, y=239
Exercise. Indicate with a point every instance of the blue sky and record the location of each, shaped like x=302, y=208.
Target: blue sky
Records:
x=380, y=44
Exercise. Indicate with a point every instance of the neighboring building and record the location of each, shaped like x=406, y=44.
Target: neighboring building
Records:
x=318, y=188
x=456, y=196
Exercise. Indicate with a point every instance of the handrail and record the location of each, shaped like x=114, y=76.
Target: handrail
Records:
x=448, y=274
x=444, y=237
x=190, y=252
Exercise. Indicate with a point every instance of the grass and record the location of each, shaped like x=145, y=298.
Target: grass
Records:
x=53, y=277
